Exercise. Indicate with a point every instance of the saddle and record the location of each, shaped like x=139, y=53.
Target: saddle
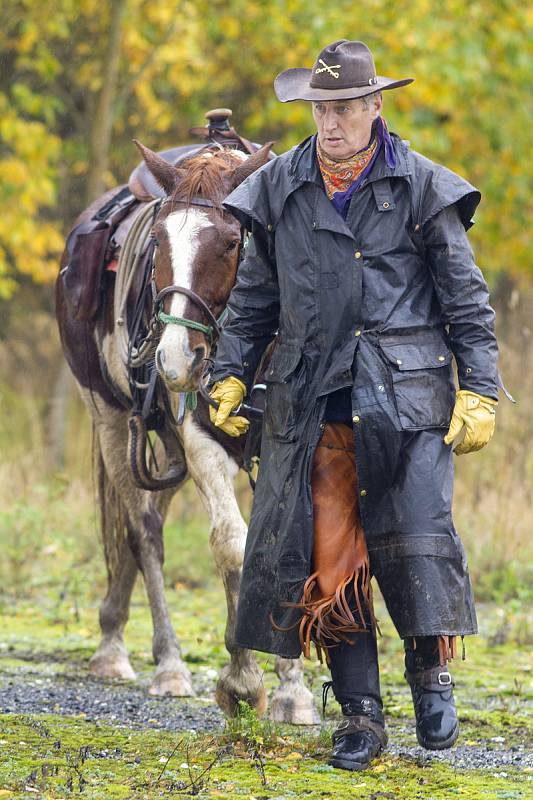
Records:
x=95, y=243
x=142, y=183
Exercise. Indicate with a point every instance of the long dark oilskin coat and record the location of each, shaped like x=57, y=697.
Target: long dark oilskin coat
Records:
x=380, y=302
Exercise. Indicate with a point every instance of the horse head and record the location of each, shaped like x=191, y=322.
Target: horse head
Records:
x=197, y=251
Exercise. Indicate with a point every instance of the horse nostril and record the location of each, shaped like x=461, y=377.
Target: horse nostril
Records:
x=199, y=355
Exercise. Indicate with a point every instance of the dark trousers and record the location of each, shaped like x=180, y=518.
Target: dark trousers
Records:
x=355, y=670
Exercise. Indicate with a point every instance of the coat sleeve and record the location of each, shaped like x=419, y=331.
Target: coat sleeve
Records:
x=253, y=311
x=464, y=300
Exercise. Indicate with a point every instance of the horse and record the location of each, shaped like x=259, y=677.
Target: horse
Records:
x=197, y=246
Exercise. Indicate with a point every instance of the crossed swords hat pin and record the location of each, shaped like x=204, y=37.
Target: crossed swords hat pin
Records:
x=342, y=71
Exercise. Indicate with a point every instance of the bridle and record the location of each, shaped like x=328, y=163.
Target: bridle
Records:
x=212, y=331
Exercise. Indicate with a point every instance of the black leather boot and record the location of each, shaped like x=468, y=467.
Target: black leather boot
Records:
x=437, y=726
x=360, y=737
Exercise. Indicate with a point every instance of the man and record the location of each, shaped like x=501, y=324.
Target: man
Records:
x=359, y=264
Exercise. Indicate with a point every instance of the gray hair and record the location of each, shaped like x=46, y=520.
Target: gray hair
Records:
x=366, y=99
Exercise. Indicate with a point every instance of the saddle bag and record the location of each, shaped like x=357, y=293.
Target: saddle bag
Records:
x=89, y=249
x=82, y=278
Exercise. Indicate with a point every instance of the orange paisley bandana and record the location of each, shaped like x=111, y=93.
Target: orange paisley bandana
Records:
x=338, y=176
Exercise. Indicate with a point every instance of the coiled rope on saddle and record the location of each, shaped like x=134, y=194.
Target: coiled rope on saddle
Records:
x=130, y=258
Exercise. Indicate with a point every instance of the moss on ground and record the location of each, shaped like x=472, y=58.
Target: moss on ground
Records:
x=52, y=757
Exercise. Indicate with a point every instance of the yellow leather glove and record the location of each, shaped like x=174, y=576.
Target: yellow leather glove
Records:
x=229, y=394
x=475, y=417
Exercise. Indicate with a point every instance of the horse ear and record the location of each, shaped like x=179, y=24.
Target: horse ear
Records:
x=165, y=174
x=252, y=163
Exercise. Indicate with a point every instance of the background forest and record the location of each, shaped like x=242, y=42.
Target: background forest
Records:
x=79, y=79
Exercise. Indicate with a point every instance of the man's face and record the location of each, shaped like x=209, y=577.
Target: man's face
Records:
x=344, y=126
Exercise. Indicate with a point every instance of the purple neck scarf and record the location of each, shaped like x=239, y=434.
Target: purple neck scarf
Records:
x=341, y=200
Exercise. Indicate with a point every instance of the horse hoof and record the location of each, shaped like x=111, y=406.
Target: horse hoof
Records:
x=176, y=682
x=294, y=705
x=116, y=666
x=246, y=686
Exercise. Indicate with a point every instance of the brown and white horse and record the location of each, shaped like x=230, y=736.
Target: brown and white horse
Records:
x=197, y=250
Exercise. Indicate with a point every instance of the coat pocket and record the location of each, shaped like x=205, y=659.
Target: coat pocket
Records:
x=422, y=379
x=283, y=382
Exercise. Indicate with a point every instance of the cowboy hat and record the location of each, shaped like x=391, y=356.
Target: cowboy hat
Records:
x=344, y=70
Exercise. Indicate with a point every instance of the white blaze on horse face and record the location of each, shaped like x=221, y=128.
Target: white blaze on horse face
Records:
x=174, y=355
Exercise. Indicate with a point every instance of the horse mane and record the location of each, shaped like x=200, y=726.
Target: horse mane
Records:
x=203, y=175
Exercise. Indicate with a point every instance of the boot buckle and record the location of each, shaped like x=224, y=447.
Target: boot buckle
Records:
x=444, y=678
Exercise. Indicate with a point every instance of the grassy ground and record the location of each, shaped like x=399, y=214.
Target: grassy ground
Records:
x=53, y=756
x=52, y=579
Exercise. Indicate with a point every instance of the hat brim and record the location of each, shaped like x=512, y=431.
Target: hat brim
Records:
x=293, y=84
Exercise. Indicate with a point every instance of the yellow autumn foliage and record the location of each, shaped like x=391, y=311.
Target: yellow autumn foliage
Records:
x=467, y=109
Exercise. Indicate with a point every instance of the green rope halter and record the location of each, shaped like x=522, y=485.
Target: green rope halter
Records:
x=167, y=319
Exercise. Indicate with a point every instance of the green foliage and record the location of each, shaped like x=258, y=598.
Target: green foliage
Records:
x=467, y=108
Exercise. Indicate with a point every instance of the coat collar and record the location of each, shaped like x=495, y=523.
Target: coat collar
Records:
x=304, y=164
x=304, y=168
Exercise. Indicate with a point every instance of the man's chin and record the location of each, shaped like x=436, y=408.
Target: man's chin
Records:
x=337, y=152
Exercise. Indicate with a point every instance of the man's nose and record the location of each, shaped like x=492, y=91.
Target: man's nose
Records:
x=330, y=120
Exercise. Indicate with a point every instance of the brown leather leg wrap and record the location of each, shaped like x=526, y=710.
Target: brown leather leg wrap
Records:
x=361, y=723
x=337, y=596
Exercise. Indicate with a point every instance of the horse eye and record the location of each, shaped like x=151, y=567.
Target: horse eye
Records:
x=232, y=245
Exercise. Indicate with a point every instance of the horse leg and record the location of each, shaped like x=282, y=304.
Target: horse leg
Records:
x=292, y=701
x=111, y=659
x=145, y=535
x=213, y=471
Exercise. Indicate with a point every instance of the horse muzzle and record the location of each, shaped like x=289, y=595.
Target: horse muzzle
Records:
x=180, y=373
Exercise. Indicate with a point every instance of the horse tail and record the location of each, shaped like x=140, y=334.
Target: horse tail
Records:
x=113, y=528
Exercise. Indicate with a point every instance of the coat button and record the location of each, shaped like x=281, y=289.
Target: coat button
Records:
x=399, y=361
x=442, y=358
x=322, y=426
x=386, y=205
x=269, y=227
x=356, y=418
x=357, y=332
x=363, y=492
x=357, y=254
x=468, y=370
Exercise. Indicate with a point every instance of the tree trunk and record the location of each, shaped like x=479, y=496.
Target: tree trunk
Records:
x=102, y=121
